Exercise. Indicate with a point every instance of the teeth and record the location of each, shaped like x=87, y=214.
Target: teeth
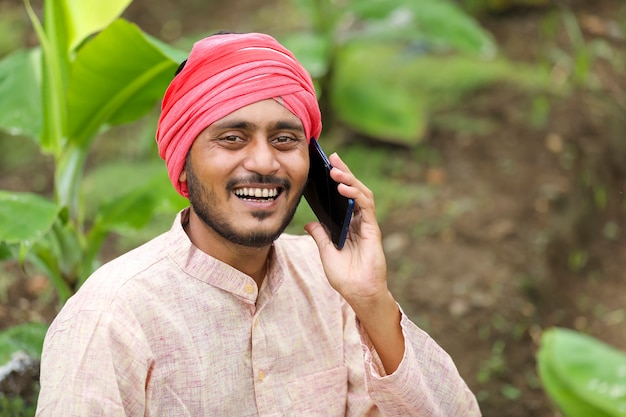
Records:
x=257, y=192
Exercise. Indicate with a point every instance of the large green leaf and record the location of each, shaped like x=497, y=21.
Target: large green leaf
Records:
x=116, y=77
x=86, y=17
x=583, y=375
x=563, y=396
x=435, y=23
x=20, y=94
x=27, y=337
x=443, y=23
x=391, y=97
x=373, y=96
x=25, y=217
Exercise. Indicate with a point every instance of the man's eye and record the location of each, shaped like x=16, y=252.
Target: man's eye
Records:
x=231, y=139
x=284, y=140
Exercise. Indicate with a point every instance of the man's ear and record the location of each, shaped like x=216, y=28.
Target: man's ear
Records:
x=183, y=174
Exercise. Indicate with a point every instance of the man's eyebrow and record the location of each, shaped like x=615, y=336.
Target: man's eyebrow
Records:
x=243, y=124
x=233, y=124
x=287, y=125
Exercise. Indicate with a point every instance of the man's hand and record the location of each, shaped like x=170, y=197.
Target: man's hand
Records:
x=359, y=271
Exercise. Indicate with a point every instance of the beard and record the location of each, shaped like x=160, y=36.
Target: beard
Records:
x=203, y=203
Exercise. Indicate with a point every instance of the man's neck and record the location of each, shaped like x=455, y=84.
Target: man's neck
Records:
x=251, y=261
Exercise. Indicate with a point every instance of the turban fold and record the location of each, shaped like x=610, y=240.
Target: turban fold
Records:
x=222, y=74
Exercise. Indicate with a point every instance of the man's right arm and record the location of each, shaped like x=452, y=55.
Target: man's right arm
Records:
x=426, y=383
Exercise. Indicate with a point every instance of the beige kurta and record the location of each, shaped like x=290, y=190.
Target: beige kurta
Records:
x=166, y=330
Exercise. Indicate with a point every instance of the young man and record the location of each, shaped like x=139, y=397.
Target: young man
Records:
x=226, y=316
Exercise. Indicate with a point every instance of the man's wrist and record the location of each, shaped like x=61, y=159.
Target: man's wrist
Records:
x=376, y=310
x=381, y=322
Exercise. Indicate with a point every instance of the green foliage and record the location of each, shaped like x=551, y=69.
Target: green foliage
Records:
x=27, y=338
x=584, y=376
x=16, y=407
x=36, y=217
x=494, y=365
x=19, y=74
x=402, y=99
x=91, y=71
x=382, y=67
x=378, y=169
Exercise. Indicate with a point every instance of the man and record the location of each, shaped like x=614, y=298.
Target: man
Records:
x=226, y=316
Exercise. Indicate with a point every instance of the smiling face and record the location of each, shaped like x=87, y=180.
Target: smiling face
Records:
x=245, y=174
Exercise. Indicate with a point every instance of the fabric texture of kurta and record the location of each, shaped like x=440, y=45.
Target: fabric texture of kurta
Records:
x=166, y=330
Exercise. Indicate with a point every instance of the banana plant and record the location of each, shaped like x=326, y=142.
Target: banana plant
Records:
x=382, y=67
x=582, y=375
x=91, y=70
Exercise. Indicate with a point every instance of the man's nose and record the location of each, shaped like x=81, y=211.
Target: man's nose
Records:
x=261, y=157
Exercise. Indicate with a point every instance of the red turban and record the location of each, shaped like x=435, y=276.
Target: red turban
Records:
x=224, y=73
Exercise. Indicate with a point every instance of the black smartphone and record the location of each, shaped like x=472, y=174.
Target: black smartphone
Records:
x=332, y=209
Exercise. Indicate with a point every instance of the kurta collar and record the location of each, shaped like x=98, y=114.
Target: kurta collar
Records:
x=201, y=266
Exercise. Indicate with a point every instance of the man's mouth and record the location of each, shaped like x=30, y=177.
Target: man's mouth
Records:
x=258, y=194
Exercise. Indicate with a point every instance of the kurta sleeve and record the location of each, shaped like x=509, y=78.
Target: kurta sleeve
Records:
x=426, y=383
x=93, y=365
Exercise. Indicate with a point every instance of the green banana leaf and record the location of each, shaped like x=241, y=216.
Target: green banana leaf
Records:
x=25, y=217
x=116, y=78
x=584, y=376
x=20, y=94
x=85, y=17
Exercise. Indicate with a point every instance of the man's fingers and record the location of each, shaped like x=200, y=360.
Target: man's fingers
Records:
x=336, y=161
x=319, y=235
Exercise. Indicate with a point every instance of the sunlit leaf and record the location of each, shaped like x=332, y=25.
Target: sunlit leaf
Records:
x=583, y=375
x=86, y=17
x=25, y=217
x=117, y=77
x=568, y=401
x=20, y=94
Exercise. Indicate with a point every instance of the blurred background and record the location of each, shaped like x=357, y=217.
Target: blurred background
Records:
x=502, y=205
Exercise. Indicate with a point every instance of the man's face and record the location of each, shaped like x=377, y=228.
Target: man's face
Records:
x=245, y=173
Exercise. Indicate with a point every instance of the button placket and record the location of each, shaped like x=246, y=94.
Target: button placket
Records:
x=259, y=349
x=263, y=392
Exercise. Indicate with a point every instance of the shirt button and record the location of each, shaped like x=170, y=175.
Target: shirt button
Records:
x=261, y=376
x=249, y=288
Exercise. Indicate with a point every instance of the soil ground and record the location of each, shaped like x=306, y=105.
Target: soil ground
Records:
x=526, y=229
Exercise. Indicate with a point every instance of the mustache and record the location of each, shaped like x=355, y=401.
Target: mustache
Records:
x=259, y=179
